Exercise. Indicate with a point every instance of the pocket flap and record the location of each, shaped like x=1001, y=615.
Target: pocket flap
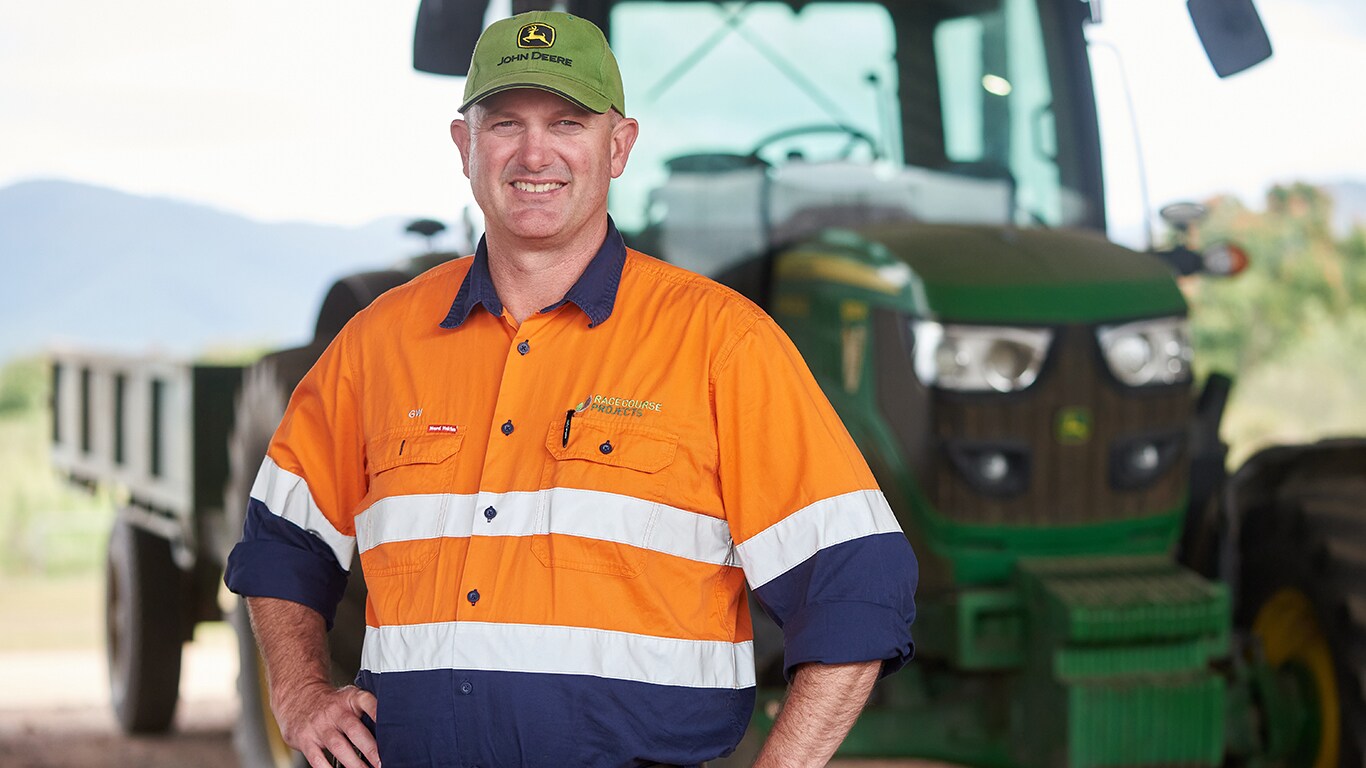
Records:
x=421, y=445
x=633, y=446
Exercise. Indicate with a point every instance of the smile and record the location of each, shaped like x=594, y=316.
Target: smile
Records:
x=549, y=186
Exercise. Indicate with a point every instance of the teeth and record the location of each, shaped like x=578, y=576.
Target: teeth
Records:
x=525, y=187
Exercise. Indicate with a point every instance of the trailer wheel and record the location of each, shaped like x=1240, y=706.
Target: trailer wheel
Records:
x=1303, y=598
x=143, y=628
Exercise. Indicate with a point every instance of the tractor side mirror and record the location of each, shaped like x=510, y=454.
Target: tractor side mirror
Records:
x=1223, y=259
x=446, y=32
x=1231, y=32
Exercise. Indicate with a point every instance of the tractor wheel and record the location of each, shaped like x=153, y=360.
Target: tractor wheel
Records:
x=261, y=403
x=1302, y=596
x=143, y=628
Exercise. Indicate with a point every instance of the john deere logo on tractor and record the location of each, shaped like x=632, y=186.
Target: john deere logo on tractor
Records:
x=536, y=36
x=1073, y=426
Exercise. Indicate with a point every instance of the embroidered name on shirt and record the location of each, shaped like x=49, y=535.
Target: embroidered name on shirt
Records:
x=441, y=428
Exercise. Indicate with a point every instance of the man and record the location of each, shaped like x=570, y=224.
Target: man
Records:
x=561, y=460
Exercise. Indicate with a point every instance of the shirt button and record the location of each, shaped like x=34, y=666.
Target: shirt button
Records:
x=606, y=447
x=490, y=513
x=466, y=688
x=524, y=347
x=507, y=427
x=473, y=596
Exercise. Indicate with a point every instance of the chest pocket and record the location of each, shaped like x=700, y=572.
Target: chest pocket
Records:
x=411, y=471
x=601, y=494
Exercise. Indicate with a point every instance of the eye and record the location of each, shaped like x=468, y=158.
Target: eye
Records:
x=503, y=126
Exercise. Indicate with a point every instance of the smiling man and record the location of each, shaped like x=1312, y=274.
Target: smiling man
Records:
x=562, y=461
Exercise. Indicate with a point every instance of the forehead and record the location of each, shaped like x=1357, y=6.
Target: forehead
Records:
x=529, y=101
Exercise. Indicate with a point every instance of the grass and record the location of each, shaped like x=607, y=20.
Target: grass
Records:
x=1311, y=392
x=47, y=528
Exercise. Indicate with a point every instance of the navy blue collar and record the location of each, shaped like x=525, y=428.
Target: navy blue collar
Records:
x=595, y=292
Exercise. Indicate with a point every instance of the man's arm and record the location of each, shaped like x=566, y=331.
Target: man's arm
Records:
x=313, y=715
x=822, y=704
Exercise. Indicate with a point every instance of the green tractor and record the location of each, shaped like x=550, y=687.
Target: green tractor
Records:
x=914, y=190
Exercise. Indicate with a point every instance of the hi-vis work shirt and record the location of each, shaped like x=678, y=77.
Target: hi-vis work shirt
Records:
x=556, y=520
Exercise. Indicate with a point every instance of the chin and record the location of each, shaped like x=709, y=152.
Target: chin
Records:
x=537, y=227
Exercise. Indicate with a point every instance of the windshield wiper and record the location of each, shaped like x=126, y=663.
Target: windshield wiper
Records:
x=732, y=22
x=692, y=59
x=832, y=109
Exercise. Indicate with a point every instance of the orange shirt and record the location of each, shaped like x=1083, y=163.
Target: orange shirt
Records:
x=585, y=494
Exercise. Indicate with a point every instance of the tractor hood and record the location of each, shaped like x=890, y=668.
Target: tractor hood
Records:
x=998, y=275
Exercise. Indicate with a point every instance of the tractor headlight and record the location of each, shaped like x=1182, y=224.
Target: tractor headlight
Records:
x=979, y=358
x=1148, y=352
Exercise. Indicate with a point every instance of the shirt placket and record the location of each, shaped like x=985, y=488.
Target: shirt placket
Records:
x=513, y=440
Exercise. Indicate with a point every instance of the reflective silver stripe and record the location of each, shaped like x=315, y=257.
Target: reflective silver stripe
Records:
x=286, y=495
x=790, y=541
x=570, y=511
x=559, y=650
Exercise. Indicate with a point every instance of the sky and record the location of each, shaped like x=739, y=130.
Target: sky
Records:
x=310, y=110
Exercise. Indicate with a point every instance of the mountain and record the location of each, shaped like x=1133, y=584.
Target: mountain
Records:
x=101, y=268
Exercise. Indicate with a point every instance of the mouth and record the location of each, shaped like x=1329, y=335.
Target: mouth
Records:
x=526, y=186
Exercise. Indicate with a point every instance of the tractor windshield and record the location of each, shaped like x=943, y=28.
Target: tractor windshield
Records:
x=755, y=111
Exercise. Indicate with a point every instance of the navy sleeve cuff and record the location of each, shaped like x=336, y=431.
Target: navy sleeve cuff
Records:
x=852, y=601
x=277, y=558
x=841, y=633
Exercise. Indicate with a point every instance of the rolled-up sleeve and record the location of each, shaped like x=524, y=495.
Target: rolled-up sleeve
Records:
x=820, y=547
x=299, y=536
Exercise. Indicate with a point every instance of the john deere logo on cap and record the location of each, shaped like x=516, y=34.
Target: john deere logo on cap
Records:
x=538, y=35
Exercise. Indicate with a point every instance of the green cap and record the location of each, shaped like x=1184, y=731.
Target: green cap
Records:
x=549, y=50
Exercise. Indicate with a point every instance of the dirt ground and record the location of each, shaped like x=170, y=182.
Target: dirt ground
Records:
x=55, y=712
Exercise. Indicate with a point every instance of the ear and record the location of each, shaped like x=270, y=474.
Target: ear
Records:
x=624, y=135
x=460, y=134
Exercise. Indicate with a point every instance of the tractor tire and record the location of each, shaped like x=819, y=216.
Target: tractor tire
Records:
x=143, y=628
x=261, y=402
x=1302, y=597
x=266, y=388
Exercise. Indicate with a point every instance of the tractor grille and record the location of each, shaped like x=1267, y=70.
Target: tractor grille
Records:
x=1063, y=484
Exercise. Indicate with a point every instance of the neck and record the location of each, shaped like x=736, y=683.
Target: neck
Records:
x=531, y=275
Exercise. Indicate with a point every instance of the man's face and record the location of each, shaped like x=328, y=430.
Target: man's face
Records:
x=539, y=165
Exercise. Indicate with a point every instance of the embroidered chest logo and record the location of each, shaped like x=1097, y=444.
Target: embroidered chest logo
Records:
x=618, y=406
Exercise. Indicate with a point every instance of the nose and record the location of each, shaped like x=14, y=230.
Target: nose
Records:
x=535, y=152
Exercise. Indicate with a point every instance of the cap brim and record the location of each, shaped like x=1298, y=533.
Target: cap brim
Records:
x=566, y=88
